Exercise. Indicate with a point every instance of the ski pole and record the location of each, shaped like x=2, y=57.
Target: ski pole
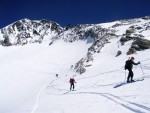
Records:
x=142, y=71
x=125, y=76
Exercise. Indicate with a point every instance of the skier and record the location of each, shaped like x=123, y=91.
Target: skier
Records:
x=129, y=64
x=56, y=75
x=72, y=81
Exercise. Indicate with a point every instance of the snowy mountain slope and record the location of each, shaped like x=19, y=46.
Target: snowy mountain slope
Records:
x=25, y=70
x=134, y=30
x=28, y=83
x=29, y=31
x=95, y=90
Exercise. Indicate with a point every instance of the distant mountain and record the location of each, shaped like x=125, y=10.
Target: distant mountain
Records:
x=29, y=31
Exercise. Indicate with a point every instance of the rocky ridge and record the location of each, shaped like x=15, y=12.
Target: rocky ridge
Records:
x=32, y=31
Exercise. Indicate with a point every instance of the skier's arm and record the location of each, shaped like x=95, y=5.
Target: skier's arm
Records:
x=135, y=63
x=74, y=81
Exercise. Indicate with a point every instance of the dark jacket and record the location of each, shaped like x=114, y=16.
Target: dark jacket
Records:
x=131, y=63
x=72, y=80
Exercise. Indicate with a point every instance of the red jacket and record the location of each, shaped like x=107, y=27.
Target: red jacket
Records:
x=72, y=80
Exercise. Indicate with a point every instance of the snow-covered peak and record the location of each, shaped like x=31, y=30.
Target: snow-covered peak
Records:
x=29, y=31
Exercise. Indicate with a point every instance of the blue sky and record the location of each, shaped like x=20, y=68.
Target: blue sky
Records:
x=72, y=11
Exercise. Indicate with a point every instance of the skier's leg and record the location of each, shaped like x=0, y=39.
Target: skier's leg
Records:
x=73, y=86
x=128, y=75
x=132, y=76
x=70, y=87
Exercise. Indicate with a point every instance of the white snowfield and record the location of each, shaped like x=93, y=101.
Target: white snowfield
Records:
x=28, y=82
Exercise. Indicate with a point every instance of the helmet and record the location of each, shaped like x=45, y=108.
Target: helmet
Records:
x=132, y=58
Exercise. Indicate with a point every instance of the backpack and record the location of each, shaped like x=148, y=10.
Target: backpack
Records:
x=71, y=80
x=127, y=64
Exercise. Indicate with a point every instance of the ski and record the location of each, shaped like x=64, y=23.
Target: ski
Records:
x=69, y=91
x=73, y=90
x=124, y=83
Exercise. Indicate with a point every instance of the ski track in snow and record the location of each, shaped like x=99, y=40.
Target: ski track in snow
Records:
x=131, y=106
x=38, y=95
x=134, y=107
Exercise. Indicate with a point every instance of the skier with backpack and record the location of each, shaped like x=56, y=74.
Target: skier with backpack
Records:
x=128, y=66
x=72, y=81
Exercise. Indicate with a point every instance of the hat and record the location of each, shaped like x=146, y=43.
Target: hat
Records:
x=132, y=58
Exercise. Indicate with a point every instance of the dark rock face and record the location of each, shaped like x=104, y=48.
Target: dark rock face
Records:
x=142, y=44
x=118, y=53
x=28, y=31
x=138, y=45
x=131, y=51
